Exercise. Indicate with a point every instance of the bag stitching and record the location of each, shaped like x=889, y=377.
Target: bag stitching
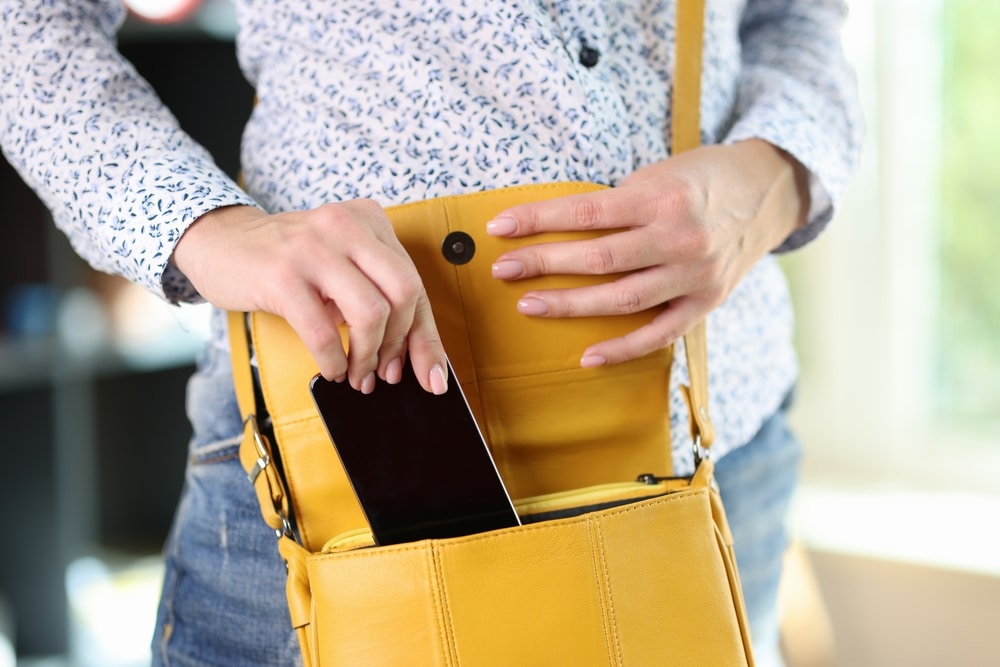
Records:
x=445, y=630
x=440, y=605
x=479, y=382
x=613, y=638
x=599, y=585
x=676, y=496
x=580, y=187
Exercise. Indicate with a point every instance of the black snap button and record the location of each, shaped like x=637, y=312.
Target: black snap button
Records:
x=589, y=56
x=458, y=248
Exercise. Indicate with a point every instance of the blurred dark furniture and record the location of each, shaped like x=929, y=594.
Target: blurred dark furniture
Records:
x=93, y=453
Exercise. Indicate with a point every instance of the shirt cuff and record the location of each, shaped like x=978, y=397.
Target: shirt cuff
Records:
x=166, y=199
x=825, y=144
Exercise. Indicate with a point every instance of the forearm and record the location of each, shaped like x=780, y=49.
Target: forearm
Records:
x=90, y=136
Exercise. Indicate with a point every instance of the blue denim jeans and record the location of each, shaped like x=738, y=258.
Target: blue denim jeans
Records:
x=223, y=600
x=756, y=482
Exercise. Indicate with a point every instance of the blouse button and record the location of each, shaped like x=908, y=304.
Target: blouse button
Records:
x=589, y=56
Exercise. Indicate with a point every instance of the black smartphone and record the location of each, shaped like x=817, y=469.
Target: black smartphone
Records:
x=418, y=462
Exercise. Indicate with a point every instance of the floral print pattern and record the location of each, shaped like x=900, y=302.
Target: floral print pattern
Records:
x=399, y=101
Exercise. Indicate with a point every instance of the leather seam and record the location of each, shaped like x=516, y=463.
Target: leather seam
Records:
x=613, y=639
x=478, y=381
x=600, y=576
x=581, y=187
x=445, y=630
x=675, y=496
x=633, y=362
x=495, y=451
x=461, y=299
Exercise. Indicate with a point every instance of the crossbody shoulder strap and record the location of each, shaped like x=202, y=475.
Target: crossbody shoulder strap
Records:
x=685, y=135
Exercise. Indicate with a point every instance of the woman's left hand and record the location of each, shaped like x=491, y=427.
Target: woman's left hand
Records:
x=690, y=228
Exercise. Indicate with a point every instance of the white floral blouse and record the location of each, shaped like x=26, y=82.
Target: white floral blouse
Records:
x=400, y=100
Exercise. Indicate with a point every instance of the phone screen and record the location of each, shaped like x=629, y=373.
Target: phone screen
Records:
x=418, y=462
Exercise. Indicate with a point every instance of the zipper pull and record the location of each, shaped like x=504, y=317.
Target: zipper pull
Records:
x=651, y=479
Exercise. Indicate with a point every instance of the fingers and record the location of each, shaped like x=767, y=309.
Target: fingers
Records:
x=341, y=266
x=646, y=230
x=619, y=252
x=426, y=351
x=322, y=269
x=409, y=325
x=659, y=250
x=379, y=312
x=316, y=324
x=604, y=209
x=315, y=312
x=677, y=318
x=632, y=293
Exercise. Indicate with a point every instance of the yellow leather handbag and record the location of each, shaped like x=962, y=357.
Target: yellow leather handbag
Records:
x=638, y=568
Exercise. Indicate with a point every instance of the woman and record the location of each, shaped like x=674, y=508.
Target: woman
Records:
x=368, y=104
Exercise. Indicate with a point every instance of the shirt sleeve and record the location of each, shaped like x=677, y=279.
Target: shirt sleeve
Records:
x=797, y=91
x=92, y=139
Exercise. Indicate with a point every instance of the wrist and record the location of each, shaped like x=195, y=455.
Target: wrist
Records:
x=207, y=231
x=785, y=187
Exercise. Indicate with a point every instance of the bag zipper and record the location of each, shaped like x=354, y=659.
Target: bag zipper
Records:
x=645, y=485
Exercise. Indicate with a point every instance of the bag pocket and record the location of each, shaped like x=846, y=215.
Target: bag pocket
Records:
x=635, y=583
x=551, y=506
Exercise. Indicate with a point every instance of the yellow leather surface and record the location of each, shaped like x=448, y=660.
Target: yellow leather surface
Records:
x=550, y=424
x=642, y=584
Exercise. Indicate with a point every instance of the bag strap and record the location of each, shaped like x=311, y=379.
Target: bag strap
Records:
x=256, y=456
x=685, y=135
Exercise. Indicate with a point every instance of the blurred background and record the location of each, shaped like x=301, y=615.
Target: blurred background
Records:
x=896, y=558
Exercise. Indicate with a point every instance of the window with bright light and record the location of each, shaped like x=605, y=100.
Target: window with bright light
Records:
x=967, y=359
x=899, y=301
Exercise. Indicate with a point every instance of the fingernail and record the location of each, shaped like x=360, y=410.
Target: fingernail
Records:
x=340, y=378
x=501, y=226
x=593, y=360
x=508, y=268
x=368, y=384
x=394, y=371
x=529, y=305
x=439, y=381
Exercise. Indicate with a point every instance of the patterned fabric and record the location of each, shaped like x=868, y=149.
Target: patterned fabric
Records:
x=401, y=101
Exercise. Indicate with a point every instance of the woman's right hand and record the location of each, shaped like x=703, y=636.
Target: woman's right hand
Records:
x=337, y=264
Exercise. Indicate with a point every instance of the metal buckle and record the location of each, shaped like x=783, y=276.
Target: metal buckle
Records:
x=286, y=528
x=700, y=453
x=264, y=459
x=262, y=462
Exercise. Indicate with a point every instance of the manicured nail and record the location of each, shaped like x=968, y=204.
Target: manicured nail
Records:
x=368, y=384
x=529, y=305
x=593, y=360
x=394, y=371
x=439, y=381
x=508, y=268
x=501, y=226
